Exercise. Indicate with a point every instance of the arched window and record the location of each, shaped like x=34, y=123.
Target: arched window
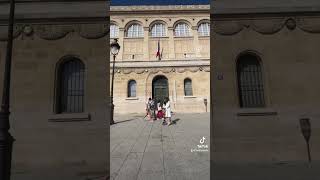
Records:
x=204, y=29
x=188, y=87
x=114, y=31
x=70, y=87
x=132, y=88
x=250, y=82
x=135, y=30
x=158, y=30
x=182, y=30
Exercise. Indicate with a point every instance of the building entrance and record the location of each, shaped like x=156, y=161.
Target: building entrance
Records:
x=160, y=88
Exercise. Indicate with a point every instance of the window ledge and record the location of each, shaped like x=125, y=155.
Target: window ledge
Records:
x=190, y=96
x=256, y=112
x=161, y=37
x=133, y=37
x=132, y=98
x=70, y=117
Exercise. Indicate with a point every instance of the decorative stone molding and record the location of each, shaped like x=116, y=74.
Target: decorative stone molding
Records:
x=165, y=70
x=93, y=31
x=52, y=32
x=57, y=31
x=4, y=32
x=227, y=27
x=267, y=26
x=311, y=25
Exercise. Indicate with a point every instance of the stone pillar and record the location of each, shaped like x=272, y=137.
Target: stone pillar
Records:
x=146, y=44
x=196, y=44
x=171, y=43
x=121, y=43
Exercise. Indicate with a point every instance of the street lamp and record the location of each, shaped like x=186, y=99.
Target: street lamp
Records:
x=6, y=140
x=114, y=48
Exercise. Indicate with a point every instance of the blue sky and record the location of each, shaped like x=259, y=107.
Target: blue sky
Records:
x=157, y=2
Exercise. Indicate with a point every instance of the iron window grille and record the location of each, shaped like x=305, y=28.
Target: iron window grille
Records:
x=188, y=87
x=250, y=82
x=70, y=92
x=132, y=88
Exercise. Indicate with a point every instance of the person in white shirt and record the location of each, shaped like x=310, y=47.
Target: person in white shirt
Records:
x=168, y=111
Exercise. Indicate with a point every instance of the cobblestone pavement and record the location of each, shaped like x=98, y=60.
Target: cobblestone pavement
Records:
x=144, y=150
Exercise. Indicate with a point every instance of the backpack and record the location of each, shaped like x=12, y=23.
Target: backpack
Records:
x=152, y=105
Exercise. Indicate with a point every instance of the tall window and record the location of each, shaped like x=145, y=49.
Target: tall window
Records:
x=250, y=82
x=70, y=87
x=204, y=29
x=114, y=31
x=132, y=87
x=158, y=30
x=135, y=30
x=182, y=30
x=188, y=87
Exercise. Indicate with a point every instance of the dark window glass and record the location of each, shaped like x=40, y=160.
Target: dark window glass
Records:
x=188, y=87
x=132, y=88
x=250, y=83
x=70, y=92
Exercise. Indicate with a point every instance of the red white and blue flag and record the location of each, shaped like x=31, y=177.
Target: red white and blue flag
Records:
x=159, y=54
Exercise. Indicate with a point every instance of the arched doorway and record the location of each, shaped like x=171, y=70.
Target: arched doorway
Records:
x=160, y=88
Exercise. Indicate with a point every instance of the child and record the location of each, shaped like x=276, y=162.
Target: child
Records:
x=160, y=112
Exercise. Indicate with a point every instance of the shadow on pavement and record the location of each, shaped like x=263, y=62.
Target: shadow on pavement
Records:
x=124, y=121
x=174, y=122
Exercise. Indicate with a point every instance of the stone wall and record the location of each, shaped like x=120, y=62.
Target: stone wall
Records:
x=47, y=143
x=180, y=102
x=289, y=57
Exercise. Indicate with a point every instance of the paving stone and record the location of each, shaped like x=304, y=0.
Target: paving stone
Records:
x=162, y=152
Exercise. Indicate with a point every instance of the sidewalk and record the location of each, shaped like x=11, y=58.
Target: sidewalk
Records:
x=143, y=150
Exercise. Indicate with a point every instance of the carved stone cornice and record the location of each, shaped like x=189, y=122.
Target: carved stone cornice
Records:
x=57, y=31
x=266, y=25
x=159, y=9
x=166, y=70
x=162, y=63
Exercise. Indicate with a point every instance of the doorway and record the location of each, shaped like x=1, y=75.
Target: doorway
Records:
x=160, y=88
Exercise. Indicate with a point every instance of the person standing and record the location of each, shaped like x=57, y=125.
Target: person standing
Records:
x=159, y=108
x=168, y=111
x=153, y=109
x=164, y=113
x=148, y=108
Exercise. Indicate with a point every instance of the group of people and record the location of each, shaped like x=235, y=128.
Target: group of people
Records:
x=157, y=110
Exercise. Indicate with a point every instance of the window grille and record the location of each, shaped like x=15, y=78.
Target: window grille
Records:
x=250, y=82
x=188, y=87
x=70, y=94
x=132, y=85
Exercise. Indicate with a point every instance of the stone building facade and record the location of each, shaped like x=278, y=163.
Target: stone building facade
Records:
x=181, y=33
x=51, y=137
x=265, y=62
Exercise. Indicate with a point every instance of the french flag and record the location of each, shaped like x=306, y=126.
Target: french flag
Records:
x=158, y=52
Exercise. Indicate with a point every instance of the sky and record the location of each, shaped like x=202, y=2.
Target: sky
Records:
x=157, y=2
